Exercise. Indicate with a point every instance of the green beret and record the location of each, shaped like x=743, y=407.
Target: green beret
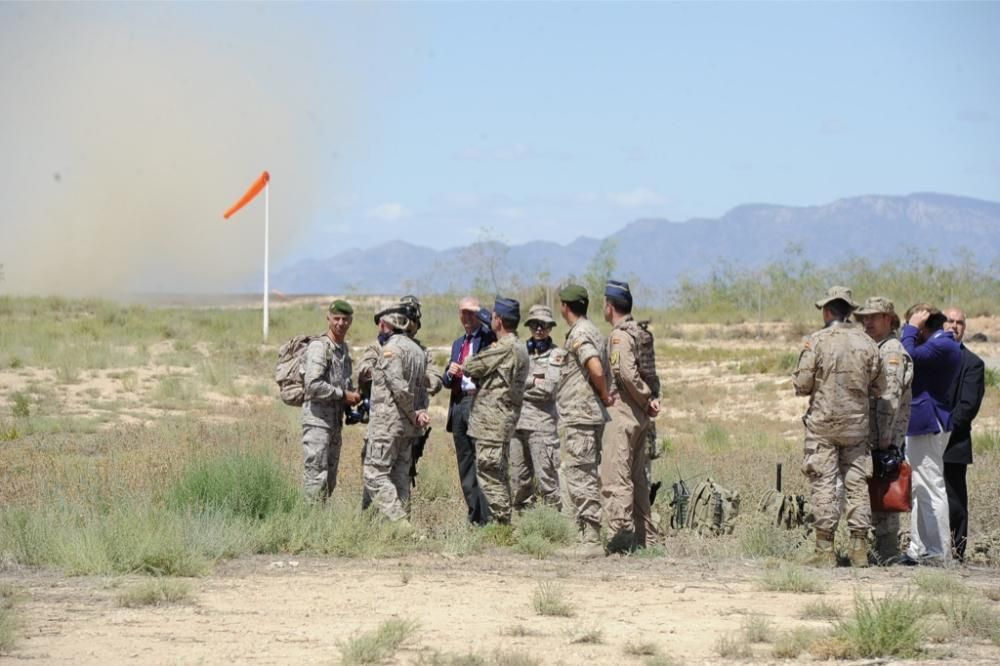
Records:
x=342, y=307
x=574, y=292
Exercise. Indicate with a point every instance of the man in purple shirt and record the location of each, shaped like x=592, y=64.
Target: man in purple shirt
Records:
x=936, y=361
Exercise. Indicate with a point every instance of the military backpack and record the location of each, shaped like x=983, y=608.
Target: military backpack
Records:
x=712, y=510
x=788, y=511
x=288, y=371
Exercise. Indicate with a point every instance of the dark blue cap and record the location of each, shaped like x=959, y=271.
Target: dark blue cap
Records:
x=617, y=289
x=485, y=316
x=507, y=308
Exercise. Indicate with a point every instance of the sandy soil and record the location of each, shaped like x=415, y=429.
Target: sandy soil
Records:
x=267, y=610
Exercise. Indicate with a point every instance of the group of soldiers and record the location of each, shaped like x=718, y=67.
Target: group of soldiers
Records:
x=602, y=393
x=509, y=397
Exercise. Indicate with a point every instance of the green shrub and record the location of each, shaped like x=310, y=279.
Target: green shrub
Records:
x=886, y=627
x=550, y=599
x=8, y=622
x=378, y=645
x=22, y=407
x=251, y=485
x=155, y=592
x=541, y=530
x=793, y=579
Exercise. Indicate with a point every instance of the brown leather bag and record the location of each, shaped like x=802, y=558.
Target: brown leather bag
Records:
x=891, y=494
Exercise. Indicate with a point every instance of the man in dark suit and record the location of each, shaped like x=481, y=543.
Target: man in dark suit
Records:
x=463, y=392
x=967, y=396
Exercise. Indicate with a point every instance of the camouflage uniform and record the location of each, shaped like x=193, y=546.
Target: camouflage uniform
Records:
x=889, y=417
x=534, y=449
x=624, y=452
x=582, y=417
x=326, y=376
x=398, y=387
x=500, y=372
x=647, y=370
x=839, y=369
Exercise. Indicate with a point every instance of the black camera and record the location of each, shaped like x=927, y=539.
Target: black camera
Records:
x=358, y=413
x=886, y=462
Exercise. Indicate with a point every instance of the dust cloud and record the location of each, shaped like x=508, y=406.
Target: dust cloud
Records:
x=126, y=131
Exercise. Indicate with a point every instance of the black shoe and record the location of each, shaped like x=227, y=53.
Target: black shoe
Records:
x=907, y=561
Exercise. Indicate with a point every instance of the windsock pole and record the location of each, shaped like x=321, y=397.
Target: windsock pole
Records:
x=267, y=207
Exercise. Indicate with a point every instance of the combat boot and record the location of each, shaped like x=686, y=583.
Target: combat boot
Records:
x=858, y=550
x=589, y=545
x=824, y=555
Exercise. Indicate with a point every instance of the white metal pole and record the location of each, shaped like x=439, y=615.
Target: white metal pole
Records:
x=267, y=207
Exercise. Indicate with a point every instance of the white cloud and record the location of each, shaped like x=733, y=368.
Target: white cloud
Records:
x=637, y=198
x=388, y=212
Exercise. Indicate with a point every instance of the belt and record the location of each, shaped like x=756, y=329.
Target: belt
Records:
x=469, y=393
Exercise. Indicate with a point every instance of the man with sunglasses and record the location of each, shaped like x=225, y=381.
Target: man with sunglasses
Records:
x=534, y=448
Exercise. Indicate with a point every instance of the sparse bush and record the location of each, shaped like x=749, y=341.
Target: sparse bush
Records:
x=519, y=630
x=886, y=627
x=792, y=579
x=592, y=636
x=8, y=622
x=155, y=592
x=640, y=648
x=757, y=628
x=21, y=407
x=733, y=647
x=514, y=658
x=938, y=583
x=541, y=530
x=968, y=615
x=819, y=609
x=791, y=644
x=990, y=378
x=378, y=645
x=550, y=599
x=715, y=437
x=760, y=538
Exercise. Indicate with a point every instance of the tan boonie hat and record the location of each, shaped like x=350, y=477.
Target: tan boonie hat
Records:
x=876, y=305
x=837, y=293
x=540, y=313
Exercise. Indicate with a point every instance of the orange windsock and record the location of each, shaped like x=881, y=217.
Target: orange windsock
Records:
x=251, y=193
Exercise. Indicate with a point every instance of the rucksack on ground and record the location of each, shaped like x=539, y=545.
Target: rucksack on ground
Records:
x=786, y=510
x=288, y=369
x=712, y=509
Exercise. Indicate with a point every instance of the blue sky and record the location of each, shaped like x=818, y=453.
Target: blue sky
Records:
x=440, y=123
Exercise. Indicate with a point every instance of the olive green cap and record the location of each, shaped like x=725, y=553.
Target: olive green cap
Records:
x=572, y=293
x=341, y=306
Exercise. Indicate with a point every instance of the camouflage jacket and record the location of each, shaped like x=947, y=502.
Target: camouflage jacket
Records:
x=576, y=400
x=499, y=372
x=840, y=370
x=370, y=355
x=890, y=414
x=539, y=409
x=647, y=358
x=326, y=374
x=398, y=386
x=433, y=376
x=627, y=382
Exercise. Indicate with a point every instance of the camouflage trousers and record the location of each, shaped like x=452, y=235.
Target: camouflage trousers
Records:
x=534, y=461
x=827, y=460
x=624, y=484
x=387, y=472
x=581, y=455
x=491, y=473
x=320, y=460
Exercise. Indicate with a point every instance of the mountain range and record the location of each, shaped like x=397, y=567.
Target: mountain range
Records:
x=659, y=252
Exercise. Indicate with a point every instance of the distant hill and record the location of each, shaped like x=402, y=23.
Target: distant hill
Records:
x=659, y=252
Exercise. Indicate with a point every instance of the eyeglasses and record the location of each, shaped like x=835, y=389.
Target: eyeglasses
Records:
x=535, y=325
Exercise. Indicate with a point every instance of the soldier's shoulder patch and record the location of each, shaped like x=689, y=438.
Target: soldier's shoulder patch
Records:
x=577, y=344
x=615, y=355
x=615, y=340
x=894, y=360
x=807, y=343
x=387, y=353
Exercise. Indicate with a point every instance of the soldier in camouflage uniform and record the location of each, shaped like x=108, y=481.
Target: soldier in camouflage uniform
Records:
x=409, y=306
x=499, y=372
x=888, y=415
x=839, y=369
x=624, y=485
x=398, y=384
x=534, y=449
x=326, y=379
x=647, y=370
x=581, y=399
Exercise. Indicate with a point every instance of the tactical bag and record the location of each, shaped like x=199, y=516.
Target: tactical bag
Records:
x=288, y=370
x=712, y=509
x=788, y=511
